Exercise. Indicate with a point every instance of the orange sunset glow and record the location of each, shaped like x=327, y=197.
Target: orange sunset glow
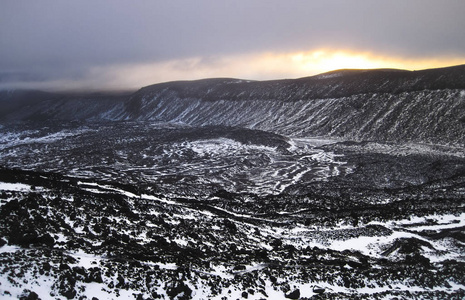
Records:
x=259, y=66
x=74, y=47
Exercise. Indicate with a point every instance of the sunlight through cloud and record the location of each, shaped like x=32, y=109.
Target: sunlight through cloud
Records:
x=256, y=66
x=261, y=66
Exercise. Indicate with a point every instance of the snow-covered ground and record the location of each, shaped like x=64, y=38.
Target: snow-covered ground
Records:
x=175, y=211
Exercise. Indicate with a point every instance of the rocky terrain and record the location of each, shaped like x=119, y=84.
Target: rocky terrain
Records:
x=349, y=184
x=384, y=105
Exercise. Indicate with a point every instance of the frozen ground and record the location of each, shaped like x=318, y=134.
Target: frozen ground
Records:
x=170, y=211
x=175, y=158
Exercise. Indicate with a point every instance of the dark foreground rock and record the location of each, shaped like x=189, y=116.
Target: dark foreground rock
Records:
x=69, y=238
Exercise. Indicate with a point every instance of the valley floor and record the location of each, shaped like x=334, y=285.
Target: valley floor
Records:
x=185, y=215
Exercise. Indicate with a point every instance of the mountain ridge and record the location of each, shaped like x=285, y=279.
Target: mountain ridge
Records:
x=381, y=104
x=318, y=87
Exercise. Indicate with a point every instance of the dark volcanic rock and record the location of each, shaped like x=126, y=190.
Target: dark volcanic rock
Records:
x=353, y=104
x=294, y=294
x=233, y=196
x=28, y=295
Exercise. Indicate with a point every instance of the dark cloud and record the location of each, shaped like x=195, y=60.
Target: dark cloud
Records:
x=53, y=39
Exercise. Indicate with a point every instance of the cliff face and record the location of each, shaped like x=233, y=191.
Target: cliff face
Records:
x=386, y=105
x=429, y=116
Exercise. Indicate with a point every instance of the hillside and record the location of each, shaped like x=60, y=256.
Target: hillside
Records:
x=384, y=105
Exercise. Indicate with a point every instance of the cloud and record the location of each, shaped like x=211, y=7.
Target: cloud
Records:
x=255, y=66
x=261, y=66
x=78, y=42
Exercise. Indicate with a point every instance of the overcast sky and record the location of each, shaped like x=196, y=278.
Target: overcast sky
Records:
x=128, y=44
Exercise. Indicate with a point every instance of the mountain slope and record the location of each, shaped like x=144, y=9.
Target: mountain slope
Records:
x=428, y=116
x=394, y=105
x=335, y=84
x=37, y=106
x=386, y=105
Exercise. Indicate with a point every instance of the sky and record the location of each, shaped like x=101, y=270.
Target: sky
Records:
x=115, y=44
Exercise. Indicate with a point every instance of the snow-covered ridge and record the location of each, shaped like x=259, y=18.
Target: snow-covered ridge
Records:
x=424, y=116
x=387, y=105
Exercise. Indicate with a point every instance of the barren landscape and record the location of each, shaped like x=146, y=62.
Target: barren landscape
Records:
x=349, y=184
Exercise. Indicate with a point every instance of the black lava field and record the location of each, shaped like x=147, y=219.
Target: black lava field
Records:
x=345, y=185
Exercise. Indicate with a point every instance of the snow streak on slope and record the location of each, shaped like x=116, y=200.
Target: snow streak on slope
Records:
x=385, y=105
x=426, y=116
x=14, y=138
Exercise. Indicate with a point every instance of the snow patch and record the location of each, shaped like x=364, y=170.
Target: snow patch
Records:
x=18, y=187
